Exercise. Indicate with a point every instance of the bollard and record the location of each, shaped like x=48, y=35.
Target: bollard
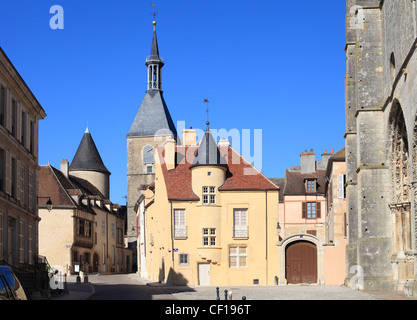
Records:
x=218, y=294
x=225, y=294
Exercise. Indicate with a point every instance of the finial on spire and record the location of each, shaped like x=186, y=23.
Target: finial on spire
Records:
x=86, y=130
x=154, y=16
x=208, y=122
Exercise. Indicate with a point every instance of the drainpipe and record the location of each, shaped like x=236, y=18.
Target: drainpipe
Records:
x=172, y=243
x=266, y=234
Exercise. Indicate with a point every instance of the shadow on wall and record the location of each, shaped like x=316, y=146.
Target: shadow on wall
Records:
x=173, y=278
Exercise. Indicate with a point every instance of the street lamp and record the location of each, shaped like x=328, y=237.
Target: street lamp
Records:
x=278, y=228
x=49, y=204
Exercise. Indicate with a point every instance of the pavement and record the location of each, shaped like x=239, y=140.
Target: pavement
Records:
x=85, y=290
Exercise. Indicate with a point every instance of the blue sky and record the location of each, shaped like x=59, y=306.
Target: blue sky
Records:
x=273, y=65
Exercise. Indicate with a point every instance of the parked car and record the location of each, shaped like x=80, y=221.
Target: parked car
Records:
x=10, y=287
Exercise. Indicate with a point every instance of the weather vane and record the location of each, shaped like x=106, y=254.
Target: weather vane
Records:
x=154, y=13
x=207, y=101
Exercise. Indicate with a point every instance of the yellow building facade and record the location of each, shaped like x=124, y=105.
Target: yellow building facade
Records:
x=208, y=222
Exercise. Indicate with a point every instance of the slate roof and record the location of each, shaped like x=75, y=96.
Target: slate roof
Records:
x=208, y=153
x=53, y=183
x=295, y=182
x=280, y=182
x=240, y=174
x=154, y=57
x=87, y=157
x=153, y=117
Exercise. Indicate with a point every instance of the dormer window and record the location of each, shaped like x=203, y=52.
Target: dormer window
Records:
x=311, y=185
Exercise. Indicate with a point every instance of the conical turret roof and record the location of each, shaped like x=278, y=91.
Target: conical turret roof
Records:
x=87, y=157
x=208, y=153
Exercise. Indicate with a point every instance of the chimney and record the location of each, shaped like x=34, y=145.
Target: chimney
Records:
x=169, y=154
x=224, y=143
x=308, y=161
x=65, y=167
x=189, y=137
x=325, y=158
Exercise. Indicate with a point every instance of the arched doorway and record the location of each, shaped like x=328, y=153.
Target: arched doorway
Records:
x=400, y=204
x=301, y=262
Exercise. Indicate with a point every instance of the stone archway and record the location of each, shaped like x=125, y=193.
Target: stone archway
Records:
x=400, y=204
x=286, y=243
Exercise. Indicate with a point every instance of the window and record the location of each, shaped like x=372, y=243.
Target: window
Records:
x=341, y=188
x=209, y=237
x=240, y=223
x=32, y=137
x=237, y=257
x=311, y=210
x=81, y=227
x=149, y=169
x=14, y=118
x=21, y=248
x=14, y=178
x=31, y=198
x=119, y=236
x=84, y=228
x=180, y=228
x=3, y=106
x=23, y=129
x=30, y=244
x=209, y=195
x=311, y=185
x=148, y=155
x=103, y=227
x=183, y=259
x=112, y=230
x=2, y=170
x=22, y=185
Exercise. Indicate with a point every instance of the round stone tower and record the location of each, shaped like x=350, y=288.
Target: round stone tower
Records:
x=88, y=165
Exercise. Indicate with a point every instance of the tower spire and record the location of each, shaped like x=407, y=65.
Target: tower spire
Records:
x=154, y=63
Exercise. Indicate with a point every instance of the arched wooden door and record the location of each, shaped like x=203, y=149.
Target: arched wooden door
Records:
x=301, y=262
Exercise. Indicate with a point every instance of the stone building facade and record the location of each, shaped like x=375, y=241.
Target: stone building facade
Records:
x=381, y=144
x=311, y=248
x=20, y=113
x=84, y=231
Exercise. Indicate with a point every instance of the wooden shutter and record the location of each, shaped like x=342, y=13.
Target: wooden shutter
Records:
x=318, y=210
x=18, y=182
x=8, y=173
x=304, y=210
x=340, y=186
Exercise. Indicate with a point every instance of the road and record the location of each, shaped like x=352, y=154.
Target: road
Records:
x=131, y=287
